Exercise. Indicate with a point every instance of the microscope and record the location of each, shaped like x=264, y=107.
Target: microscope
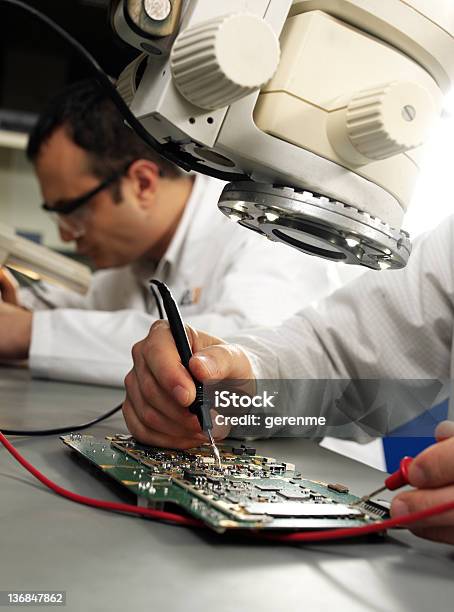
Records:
x=315, y=112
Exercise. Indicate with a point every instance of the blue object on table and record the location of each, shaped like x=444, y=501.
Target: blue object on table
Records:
x=405, y=441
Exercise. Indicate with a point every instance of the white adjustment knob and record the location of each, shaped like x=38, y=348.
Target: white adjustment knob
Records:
x=389, y=120
x=220, y=61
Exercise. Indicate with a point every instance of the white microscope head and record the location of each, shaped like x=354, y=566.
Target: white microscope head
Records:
x=315, y=111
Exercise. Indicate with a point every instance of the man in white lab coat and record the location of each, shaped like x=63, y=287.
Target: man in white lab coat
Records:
x=136, y=216
x=385, y=326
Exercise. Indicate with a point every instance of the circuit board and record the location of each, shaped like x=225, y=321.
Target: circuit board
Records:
x=247, y=491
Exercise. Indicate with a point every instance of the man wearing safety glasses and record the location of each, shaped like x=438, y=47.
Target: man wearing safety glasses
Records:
x=137, y=216
x=69, y=215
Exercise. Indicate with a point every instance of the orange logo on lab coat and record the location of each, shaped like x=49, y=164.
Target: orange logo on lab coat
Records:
x=191, y=296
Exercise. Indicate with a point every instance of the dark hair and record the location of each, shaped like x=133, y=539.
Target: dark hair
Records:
x=93, y=123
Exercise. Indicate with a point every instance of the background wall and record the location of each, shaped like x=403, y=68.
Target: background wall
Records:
x=34, y=65
x=434, y=197
x=20, y=199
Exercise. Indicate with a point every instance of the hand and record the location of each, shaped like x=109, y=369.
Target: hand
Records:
x=8, y=288
x=159, y=389
x=432, y=473
x=15, y=331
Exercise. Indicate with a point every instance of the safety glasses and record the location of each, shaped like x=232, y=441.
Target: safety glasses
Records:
x=70, y=214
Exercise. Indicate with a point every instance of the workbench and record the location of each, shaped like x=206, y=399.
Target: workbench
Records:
x=107, y=561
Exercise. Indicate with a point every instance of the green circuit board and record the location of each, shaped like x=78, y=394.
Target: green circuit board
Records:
x=247, y=491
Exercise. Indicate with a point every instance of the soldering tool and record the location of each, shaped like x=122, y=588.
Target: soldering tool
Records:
x=198, y=407
x=395, y=481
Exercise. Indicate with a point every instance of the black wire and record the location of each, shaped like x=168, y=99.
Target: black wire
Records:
x=157, y=300
x=103, y=80
x=60, y=430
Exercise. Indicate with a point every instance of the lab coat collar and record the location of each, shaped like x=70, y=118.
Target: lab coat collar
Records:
x=144, y=269
x=173, y=252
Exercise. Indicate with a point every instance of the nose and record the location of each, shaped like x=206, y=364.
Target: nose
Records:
x=65, y=234
x=69, y=231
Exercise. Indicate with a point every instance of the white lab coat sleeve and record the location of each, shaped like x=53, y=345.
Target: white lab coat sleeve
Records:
x=46, y=296
x=255, y=284
x=86, y=346
x=384, y=325
x=262, y=284
x=111, y=289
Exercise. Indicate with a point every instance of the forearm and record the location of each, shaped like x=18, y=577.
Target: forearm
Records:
x=305, y=383
x=386, y=326
x=15, y=332
x=45, y=296
x=395, y=325
x=91, y=347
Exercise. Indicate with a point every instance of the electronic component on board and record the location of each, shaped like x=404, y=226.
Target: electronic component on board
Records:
x=246, y=491
x=340, y=488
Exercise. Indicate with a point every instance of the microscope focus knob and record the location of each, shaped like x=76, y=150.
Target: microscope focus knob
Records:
x=389, y=120
x=217, y=62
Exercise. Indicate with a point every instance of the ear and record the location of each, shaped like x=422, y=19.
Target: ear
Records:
x=144, y=179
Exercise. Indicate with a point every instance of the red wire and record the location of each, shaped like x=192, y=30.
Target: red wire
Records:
x=312, y=536
x=97, y=503
x=351, y=532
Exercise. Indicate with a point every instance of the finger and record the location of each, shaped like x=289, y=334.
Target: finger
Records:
x=433, y=467
x=444, y=430
x=153, y=438
x=145, y=392
x=219, y=431
x=423, y=499
x=162, y=359
x=177, y=421
x=221, y=361
x=154, y=420
x=8, y=288
x=437, y=534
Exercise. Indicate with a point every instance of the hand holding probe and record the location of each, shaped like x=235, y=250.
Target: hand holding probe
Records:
x=198, y=407
x=395, y=481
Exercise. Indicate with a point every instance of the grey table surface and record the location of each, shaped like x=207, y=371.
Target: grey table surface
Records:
x=111, y=562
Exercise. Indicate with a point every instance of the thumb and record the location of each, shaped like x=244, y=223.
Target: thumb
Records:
x=221, y=361
x=444, y=430
x=8, y=287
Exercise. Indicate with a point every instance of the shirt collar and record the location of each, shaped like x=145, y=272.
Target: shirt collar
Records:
x=144, y=269
x=173, y=252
